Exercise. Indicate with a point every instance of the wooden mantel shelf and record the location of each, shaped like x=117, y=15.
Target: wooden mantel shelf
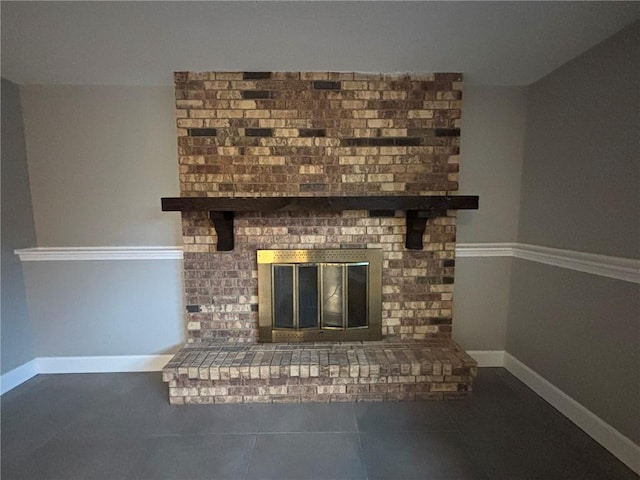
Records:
x=418, y=209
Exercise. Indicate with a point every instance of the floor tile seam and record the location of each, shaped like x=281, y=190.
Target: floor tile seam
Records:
x=247, y=466
x=362, y=457
x=200, y=434
x=314, y=432
x=266, y=409
x=397, y=431
x=251, y=433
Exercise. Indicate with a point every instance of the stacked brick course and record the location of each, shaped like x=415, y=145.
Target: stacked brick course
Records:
x=307, y=134
x=317, y=133
x=337, y=372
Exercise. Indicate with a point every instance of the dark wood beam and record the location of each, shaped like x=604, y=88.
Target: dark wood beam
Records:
x=418, y=209
x=270, y=204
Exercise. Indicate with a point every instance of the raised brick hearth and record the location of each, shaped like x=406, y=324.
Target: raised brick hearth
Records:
x=319, y=372
x=301, y=134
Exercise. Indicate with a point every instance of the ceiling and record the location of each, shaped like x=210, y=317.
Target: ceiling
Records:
x=142, y=43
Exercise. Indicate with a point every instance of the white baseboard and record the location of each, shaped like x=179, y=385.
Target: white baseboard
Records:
x=103, y=364
x=607, y=436
x=18, y=375
x=93, y=364
x=488, y=358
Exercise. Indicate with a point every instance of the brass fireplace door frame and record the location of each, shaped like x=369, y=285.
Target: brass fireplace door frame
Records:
x=267, y=258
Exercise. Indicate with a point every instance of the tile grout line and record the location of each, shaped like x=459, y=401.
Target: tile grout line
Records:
x=360, y=444
x=250, y=457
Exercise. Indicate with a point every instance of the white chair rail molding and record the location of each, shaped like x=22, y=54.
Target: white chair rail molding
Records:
x=620, y=268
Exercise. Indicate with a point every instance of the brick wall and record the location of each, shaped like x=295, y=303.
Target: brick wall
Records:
x=310, y=134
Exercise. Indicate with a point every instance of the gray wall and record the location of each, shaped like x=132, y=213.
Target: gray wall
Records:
x=85, y=308
x=481, y=300
x=581, y=172
x=491, y=148
x=17, y=232
x=100, y=159
x=580, y=192
x=581, y=333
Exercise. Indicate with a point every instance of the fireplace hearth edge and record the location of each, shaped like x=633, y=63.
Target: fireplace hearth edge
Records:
x=387, y=370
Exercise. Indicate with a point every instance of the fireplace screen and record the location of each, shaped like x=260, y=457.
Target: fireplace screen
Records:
x=317, y=295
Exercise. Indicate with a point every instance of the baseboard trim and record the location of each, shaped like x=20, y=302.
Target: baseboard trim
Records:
x=488, y=358
x=92, y=364
x=607, y=436
x=103, y=364
x=18, y=375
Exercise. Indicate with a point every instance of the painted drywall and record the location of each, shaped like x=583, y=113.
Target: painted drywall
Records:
x=580, y=332
x=100, y=159
x=480, y=302
x=86, y=308
x=580, y=192
x=17, y=232
x=491, y=146
x=581, y=174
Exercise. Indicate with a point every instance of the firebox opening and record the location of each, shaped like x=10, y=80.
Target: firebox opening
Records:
x=317, y=295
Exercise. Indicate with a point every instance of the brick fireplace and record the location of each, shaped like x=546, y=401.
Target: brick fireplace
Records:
x=305, y=141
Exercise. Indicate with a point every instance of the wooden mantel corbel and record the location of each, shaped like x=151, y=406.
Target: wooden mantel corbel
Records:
x=418, y=209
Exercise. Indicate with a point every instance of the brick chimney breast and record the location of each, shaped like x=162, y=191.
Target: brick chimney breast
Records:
x=271, y=134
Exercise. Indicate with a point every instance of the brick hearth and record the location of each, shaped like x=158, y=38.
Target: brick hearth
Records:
x=319, y=372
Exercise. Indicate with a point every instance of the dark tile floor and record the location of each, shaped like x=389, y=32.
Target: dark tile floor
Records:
x=120, y=426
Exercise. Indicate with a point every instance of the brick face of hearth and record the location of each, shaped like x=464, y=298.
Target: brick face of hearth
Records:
x=250, y=134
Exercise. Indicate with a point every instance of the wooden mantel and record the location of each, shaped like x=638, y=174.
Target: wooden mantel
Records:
x=418, y=209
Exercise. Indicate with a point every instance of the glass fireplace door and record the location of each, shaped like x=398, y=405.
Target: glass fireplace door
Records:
x=325, y=297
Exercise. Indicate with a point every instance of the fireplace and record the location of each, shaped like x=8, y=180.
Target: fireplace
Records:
x=320, y=162
x=319, y=295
